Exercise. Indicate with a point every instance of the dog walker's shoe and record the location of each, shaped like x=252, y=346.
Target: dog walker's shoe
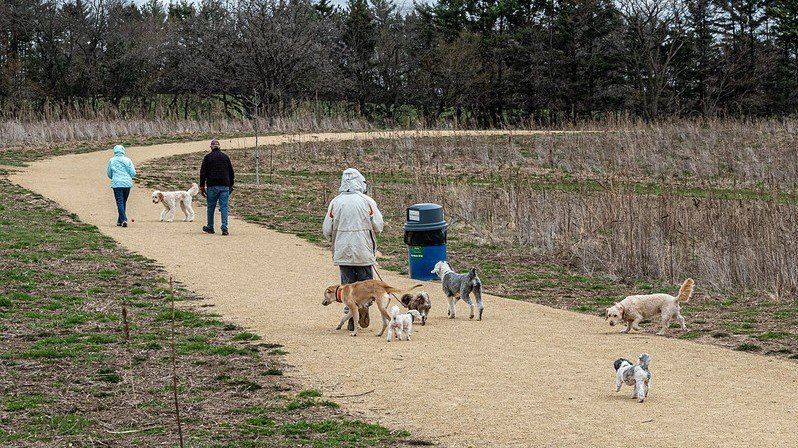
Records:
x=364, y=318
x=207, y=229
x=119, y=224
x=225, y=232
x=124, y=224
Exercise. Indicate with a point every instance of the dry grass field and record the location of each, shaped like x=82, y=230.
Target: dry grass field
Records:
x=574, y=221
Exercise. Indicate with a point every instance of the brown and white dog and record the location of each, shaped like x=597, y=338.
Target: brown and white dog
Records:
x=419, y=302
x=634, y=309
x=360, y=295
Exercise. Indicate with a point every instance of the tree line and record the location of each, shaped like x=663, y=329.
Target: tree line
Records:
x=481, y=62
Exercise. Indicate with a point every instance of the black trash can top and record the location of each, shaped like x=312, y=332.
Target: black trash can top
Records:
x=425, y=216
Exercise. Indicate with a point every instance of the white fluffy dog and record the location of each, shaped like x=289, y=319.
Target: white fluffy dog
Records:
x=636, y=375
x=401, y=324
x=633, y=309
x=171, y=199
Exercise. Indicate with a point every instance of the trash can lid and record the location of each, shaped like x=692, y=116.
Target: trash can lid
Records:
x=425, y=216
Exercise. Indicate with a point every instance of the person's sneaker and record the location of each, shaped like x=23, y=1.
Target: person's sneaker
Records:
x=207, y=229
x=364, y=318
x=224, y=232
x=124, y=224
x=119, y=224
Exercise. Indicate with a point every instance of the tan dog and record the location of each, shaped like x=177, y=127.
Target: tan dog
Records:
x=634, y=309
x=360, y=295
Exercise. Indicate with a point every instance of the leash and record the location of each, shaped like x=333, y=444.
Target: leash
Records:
x=374, y=267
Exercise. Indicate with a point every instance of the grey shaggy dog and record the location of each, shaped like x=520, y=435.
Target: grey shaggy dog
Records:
x=637, y=375
x=460, y=286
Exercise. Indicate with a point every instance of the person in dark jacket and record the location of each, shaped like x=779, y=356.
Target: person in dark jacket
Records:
x=216, y=184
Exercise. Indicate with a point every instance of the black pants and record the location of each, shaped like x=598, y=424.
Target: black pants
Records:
x=352, y=274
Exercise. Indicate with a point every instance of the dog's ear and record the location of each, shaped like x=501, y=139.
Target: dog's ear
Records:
x=160, y=196
x=406, y=298
x=473, y=272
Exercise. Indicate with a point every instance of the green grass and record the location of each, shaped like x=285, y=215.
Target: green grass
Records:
x=24, y=402
x=62, y=285
x=188, y=318
x=246, y=336
x=774, y=335
x=747, y=347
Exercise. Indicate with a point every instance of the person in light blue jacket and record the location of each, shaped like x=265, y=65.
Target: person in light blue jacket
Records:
x=121, y=172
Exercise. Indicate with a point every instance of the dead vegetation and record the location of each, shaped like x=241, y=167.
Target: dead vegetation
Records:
x=544, y=222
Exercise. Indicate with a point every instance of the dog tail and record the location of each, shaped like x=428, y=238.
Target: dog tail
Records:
x=644, y=360
x=392, y=290
x=686, y=291
x=193, y=190
x=394, y=312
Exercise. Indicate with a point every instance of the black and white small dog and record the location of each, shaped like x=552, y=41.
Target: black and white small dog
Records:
x=460, y=286
x=636, y=375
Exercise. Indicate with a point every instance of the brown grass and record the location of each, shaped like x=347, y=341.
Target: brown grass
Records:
x=574, y=238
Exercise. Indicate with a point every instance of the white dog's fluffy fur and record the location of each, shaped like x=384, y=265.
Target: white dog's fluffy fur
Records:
x=401, y=324
x=171, y=199
x=637, y=375
x=634, y=309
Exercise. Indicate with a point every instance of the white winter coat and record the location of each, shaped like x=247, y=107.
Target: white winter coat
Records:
x=352, y=222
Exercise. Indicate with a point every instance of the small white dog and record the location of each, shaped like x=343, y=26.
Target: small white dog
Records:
x=401, y=323
x=633, y=309
x=636, y=375
x=171, y=199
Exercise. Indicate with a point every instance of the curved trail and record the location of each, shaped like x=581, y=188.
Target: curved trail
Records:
x=527, y=375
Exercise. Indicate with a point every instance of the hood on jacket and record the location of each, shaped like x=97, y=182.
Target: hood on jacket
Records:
x=119, y=150
x=352, y=181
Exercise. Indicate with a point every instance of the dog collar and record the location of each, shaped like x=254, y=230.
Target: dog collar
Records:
x=339, y=294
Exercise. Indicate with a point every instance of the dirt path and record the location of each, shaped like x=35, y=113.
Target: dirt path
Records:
x=527, y=375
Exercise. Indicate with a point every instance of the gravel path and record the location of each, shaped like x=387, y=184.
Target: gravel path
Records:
x=527, y=375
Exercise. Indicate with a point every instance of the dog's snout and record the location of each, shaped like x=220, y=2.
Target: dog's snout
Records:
x=612, y=323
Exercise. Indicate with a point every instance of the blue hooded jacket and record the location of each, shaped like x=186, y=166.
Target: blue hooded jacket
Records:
x=120, y=169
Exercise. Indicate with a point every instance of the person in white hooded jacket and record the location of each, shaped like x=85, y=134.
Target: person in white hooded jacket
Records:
x=352, y=222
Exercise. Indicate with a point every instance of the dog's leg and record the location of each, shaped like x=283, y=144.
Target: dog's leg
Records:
x=666, y=320
x=346, y=317
x=640, y=390
x=628, y=327
x=680, y=319
x=190, y=210
x=452, y=301
x=390, y=334
x=381, y=304
x=618, y=383
x=185, y=212
x=480, y=306
x=465, y=294
x=356, y=316
x=163, y=214
x=171, y=217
